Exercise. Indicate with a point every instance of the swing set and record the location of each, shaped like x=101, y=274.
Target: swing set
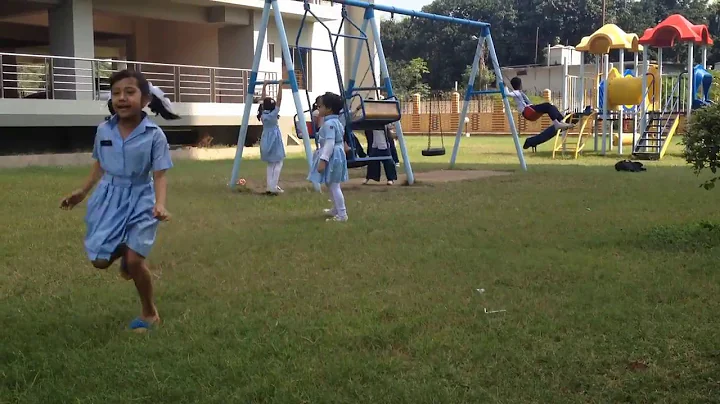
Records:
x=361, y=113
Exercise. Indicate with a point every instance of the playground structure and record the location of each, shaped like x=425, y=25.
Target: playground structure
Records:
x=362, y=113
x=653, y=100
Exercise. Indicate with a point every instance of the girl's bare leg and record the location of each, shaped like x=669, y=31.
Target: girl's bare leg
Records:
x=140, y=274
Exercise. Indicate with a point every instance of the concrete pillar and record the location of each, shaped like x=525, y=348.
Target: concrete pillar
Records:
x=71, y=35
x=234, y=48
x=357, y=14
x=236, y=52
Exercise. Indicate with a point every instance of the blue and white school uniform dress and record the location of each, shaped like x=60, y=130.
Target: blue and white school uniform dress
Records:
x=331, y=140
x=272, y=149
x=120, y=209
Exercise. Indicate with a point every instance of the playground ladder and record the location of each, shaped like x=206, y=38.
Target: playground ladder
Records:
x=576, y=145
x=661, y=126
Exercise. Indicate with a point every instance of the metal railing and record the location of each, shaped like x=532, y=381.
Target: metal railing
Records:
x=59, y=77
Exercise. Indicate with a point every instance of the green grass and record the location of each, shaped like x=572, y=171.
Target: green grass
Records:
x=609, y=280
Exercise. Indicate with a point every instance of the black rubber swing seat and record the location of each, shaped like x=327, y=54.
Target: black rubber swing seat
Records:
x=434, y=151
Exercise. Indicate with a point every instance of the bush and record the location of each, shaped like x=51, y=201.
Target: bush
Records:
x=702, y=142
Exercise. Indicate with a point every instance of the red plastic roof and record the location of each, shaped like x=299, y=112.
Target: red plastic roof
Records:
x=676, y=28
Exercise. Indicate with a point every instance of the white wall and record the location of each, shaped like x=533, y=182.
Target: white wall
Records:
x=323, y=77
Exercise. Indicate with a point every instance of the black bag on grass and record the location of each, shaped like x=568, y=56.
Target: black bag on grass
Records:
x=627, y=165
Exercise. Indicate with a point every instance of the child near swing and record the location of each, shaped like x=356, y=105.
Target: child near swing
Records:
x=272, y=150
x=131, y=156
x=330, y=163
x=531, y=111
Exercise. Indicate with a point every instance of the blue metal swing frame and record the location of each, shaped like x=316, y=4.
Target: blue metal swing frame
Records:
x=369, y=21
x=350, y=94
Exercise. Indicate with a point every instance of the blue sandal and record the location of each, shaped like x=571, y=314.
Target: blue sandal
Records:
x=140, y=325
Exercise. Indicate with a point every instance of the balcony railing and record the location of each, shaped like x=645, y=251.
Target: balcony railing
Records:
x=58, y=77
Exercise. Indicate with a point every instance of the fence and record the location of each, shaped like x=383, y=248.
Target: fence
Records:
x=486, y=115
x=57, y=77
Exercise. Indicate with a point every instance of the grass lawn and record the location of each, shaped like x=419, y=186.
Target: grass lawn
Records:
x=609, y=281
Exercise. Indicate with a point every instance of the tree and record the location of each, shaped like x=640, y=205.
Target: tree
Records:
x=485, y=77
x=702, y=142
x=408, y=77
x=448, y=48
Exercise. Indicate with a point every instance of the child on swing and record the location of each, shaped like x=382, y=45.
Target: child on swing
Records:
x=272, y=150
x=527, y=109
x=330, y=163
x=131, y=157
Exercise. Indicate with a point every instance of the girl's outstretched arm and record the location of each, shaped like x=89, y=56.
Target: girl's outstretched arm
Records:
x=96, y=172
x=159, y=210
x=279, y=96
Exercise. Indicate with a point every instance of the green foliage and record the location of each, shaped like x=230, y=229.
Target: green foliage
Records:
x=449, y=48
x=715, y=88
x=408, y=77
x=702, y=142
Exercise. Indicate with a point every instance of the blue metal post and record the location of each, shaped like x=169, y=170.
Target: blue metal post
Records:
x=468, y=96
x=293, y=84
x=250, y=92
x=508, y=111
x=385, y=75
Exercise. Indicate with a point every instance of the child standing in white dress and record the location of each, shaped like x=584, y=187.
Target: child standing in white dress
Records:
x=330, y=163
x=272, y=150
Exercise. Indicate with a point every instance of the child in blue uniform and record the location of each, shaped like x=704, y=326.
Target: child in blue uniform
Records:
x=131, y=157
x=272, y=150
x=329, y=163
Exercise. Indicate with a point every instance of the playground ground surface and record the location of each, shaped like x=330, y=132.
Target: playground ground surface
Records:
x=608, y=280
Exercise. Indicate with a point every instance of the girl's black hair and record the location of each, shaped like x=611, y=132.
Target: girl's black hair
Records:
x=268, y=104
x=333, y=102
x=142, y=82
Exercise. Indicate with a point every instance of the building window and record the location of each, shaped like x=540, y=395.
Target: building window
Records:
x=271, y=52
x=301, y=75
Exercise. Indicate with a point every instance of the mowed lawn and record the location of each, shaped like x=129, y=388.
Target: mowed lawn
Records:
x=609, y=282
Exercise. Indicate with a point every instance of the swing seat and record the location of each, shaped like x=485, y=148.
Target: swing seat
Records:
x=308, y=124
x=375, y=114
x=434, y=151
x=530, y=114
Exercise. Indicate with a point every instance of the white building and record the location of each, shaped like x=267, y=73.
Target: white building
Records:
x=56, y=55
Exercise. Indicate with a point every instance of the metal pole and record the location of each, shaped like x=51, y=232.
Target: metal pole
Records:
x=501, y=86
x=636, y=108
x=385, y=77
x=564, y=88
x=284, y=46
x=644, y=102
x=262, y=31
x=412, y=13
x=690, y=95
x=660, y=95
x=582, y=80
x=704, y=57
x=468, y=96
x=621, y=117
x=606, y=68
x=598, y=70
